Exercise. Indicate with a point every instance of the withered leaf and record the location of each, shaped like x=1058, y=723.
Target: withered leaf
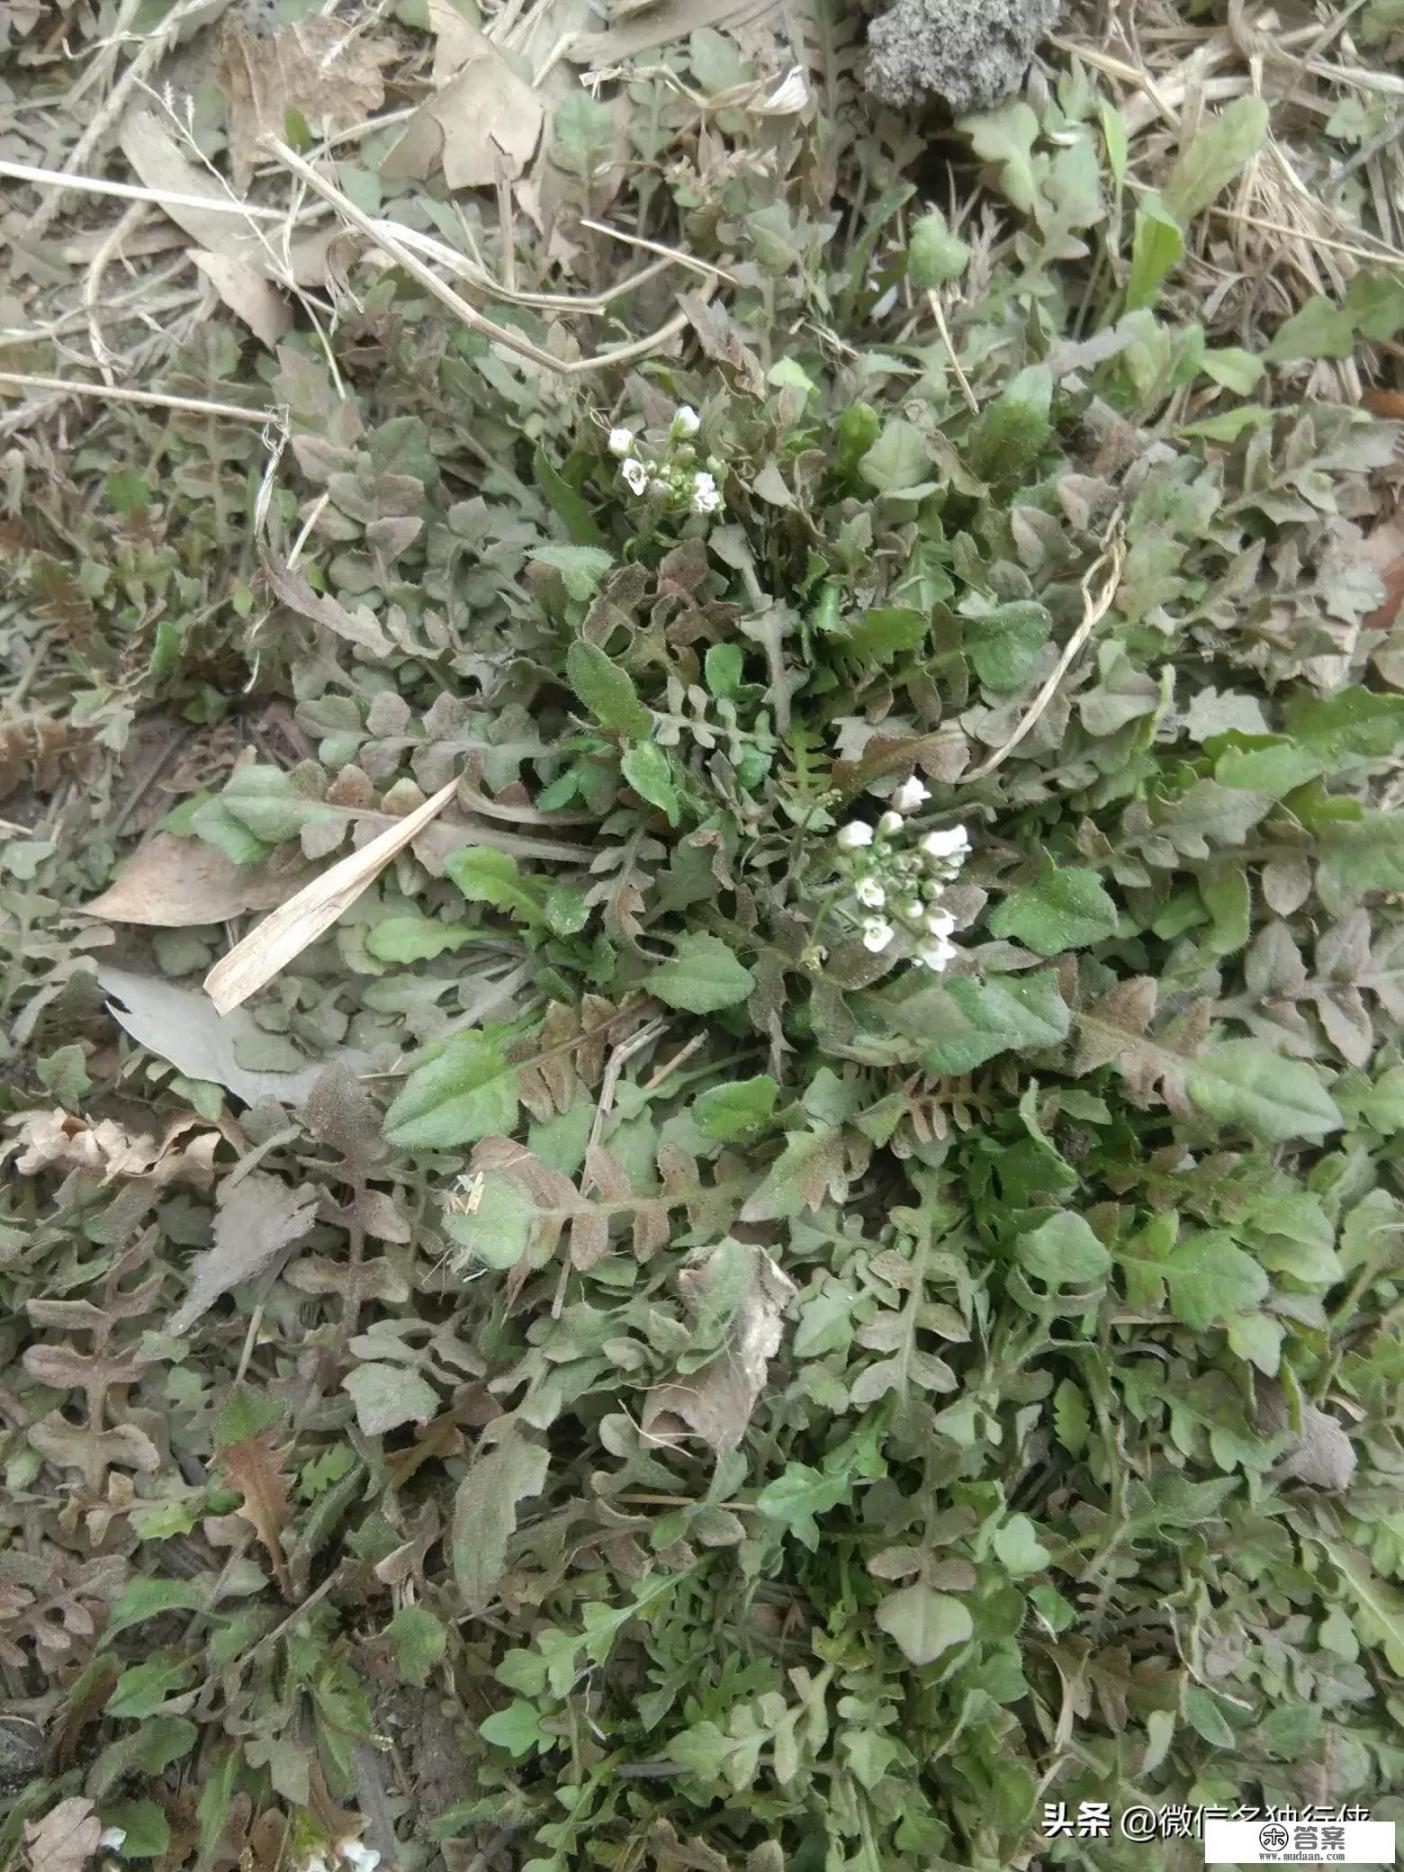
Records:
x=258, y=1217
x=254, y=1468
x=326, y=69
x=178, y=883
x=716, y=1402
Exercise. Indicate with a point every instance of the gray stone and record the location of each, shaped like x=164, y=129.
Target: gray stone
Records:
x=968, y=53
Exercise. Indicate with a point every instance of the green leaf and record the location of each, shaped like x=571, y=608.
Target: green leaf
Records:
x=650, y=773
x=738, y=1110
x=1064, y=1252
x=1351, y=724
x=1364, y=854
x=498, y=1231
x=143, y=1598
x=797, y=1496
x=387, y=1396
x=1321, y=329
x=798, y=1179
x=485, y=1514
x=701, y=976
x=486, y=875
x=581, y=567
x=517, y=1729
x=898, y=463
x=1003, y=644
x=414, y=938
x=878, y=636
x=1012, y=429
x=1273, y=1097
x=935, y=255
x=463, y=1094
x=1071, y=1419
x=1204, y=1714
x=419, y=1640
x=1236, y=369
x=143, y=1688
x=1214, y=155
x=1269, y=764
x=963, y=1023
x=1208, y=1276
x=1157, y=245
x=1007, y=136
x=566, y=502
x=924, y=1623
x=1067, y=908
x=1017, y=1544
x=146, y=1833
x=582, y=132
x=607, y=691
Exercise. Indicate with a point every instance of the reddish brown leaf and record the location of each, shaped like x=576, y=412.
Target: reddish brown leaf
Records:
x=255, y=1469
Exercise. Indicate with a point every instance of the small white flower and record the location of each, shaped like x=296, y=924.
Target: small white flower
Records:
x=877, y=934
x=855, y=835
x=936, y=954
x=939, y=922
x=686, y=422
x=868, y=891
x=911, y=794
x=889, y=823
x=621, y=441
x=914, y=910
x=360, y=1857
x=112, y=1838
x=953, y=842
x=635, y=474
x=705, y=497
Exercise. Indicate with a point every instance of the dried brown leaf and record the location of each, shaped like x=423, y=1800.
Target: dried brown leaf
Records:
x=483, y=118
x=326, y=69
x=716, y=1402
x=65, y=1839
x=55, y=1141
x=257, y=1218
x=247, y=293
x=177, y=883
x=200, y=1041
x=255, y=1469
x=275, y=942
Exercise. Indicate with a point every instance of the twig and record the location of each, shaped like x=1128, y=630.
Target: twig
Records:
x=126, y=223
x=109, y=393
x=659, y=247
x=933, y=299
x=380, y=232
x=670, y=1066
x=129, y=191
x=1094, y=609
x=410, y=262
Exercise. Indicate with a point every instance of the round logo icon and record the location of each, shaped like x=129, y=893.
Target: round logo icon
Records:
x=1273, y=1838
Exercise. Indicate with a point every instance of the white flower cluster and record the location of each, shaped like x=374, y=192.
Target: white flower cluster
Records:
x=904, y=886
x=351, y=1854
x=674, y=476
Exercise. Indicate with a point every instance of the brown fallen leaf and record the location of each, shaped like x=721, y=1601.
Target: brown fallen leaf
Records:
x=482, y=117
x=65, y=1839
x=357, y=627
x=164, y=168
x=55, y=1141
x=255, y=1469
x=274, y=942
x=247, y=293
x=328, y=71
x=256, y=1219
x=1319, y=1453
x=177, y=883
x=716, y=1402
x=179, y=1025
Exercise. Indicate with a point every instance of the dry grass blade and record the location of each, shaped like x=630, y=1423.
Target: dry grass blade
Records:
x=112, y=393
x=1094, y=609
x=287, y=931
